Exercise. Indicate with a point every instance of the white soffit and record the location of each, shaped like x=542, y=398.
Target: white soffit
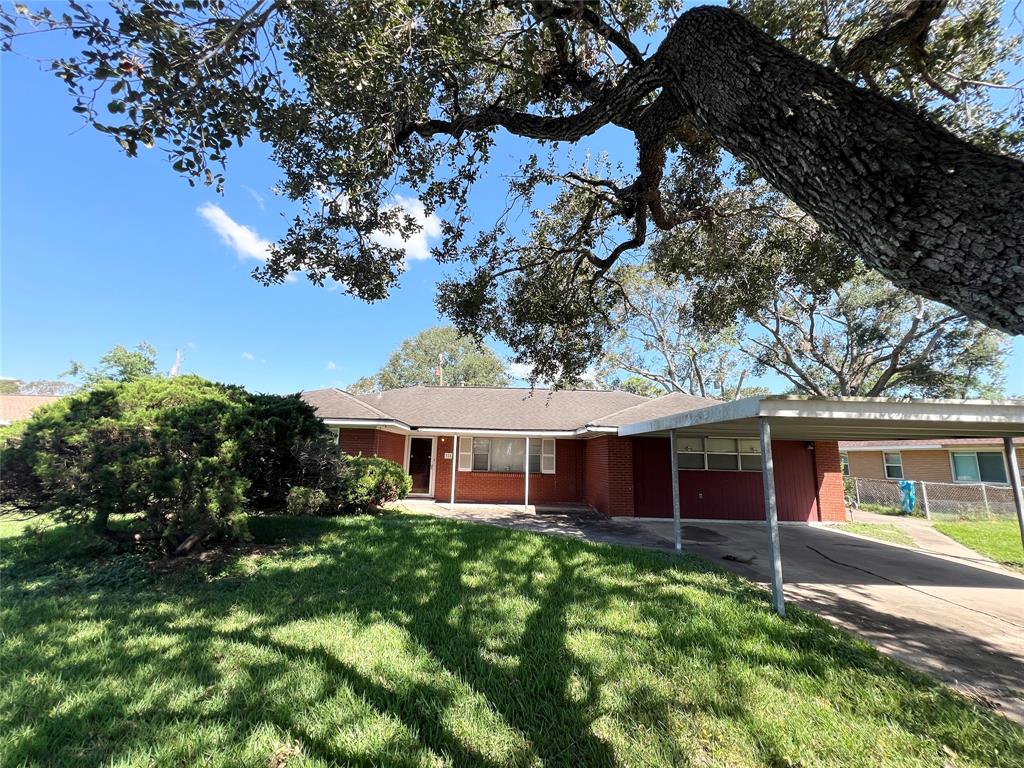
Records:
x=794, y=417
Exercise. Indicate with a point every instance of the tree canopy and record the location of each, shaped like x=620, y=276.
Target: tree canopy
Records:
x=865, y=337
x=119, y=365
x=877, y=120
x=438, y=356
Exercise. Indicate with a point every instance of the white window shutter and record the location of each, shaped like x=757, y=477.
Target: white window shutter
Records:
x=465, y=454
x=547, y=456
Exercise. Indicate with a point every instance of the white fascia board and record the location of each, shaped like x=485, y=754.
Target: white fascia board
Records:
x=882, y=409
x=366, y=423
x=953, y=412
x=495, y=432
x=592, y=429
x=712, y=414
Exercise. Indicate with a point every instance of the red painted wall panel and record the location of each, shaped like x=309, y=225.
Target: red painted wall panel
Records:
x=801, y=479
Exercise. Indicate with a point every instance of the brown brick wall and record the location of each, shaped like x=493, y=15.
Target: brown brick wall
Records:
x=829, y=477
x=866, y=464
x=930, y=466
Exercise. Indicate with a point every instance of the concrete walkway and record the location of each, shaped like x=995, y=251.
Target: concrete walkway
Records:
x=959, y=620
x=928, y=539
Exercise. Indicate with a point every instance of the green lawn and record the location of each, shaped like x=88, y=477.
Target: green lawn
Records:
x=880, y=531
x=409, y=641
x=997, y=540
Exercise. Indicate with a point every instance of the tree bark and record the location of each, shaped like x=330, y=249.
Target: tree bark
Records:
x=933, y=213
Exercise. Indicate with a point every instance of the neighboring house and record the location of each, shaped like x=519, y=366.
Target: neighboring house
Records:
x=951, y=460
x=20, y=407
x=517, y=446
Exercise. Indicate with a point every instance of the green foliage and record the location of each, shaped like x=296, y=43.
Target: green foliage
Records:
x=269, y=433
x=120, y=364
x=463, y=361
x=373, y=482
x=307, y=501
x=356, y=100
x=178, y=460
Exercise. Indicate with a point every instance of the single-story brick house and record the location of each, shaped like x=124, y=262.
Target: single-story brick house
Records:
x=518, y=446
x=943, y=460
x=14, y=407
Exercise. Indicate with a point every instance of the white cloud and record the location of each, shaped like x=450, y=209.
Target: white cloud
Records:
x=331, y=366
x=417, y=246
x=248, y=244
x=245, y=242
x=248, y=356
x=255, y=196
x=520, y=371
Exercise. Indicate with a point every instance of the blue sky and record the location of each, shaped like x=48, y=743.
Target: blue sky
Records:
x=98, y=249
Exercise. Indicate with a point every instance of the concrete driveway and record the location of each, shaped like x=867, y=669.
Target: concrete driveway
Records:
x=962, y=622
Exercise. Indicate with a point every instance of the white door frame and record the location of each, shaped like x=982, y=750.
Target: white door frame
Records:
x=433, y=460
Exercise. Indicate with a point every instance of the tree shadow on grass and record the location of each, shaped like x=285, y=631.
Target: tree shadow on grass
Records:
x=515, y=620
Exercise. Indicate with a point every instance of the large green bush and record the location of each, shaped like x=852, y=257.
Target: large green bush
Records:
x=372, y=482
x=179, y=460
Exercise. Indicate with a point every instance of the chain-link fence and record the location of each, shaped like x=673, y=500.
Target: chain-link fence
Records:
x=972, y=501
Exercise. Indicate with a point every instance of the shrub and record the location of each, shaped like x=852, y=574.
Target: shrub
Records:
x=309, y=501
x=177, y=457
x=269, y=433
x=371, y=482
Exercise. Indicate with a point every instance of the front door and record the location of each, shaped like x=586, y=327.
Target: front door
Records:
x=420, y=449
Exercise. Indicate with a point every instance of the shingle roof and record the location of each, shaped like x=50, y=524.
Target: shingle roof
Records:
x=333, y=403
x=18, y=407
x=666, y=405
x=499, y=407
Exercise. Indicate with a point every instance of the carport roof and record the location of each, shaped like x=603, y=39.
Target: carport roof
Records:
x=798, y=417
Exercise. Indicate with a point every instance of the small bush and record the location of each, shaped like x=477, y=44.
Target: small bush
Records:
x=371, y=482
x=309, y=501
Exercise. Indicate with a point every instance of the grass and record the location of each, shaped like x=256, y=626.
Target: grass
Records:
x=403, y=640
x=881, y=531
x=998, y=540
x=883, y=509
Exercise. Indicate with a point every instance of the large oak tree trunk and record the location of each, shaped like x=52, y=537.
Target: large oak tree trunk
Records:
x=931, y=212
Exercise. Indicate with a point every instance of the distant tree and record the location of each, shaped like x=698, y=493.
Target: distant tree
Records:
x=658, y=339
x=865, y=337
x=438, y=356
x=638, y=385
x=34, y=387
x=870, y=338
x=119, y=365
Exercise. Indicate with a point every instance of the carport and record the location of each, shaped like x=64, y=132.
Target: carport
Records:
x=795, y=417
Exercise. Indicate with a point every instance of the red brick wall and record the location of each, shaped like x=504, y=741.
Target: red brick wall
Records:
x=391, y=445
x=373, y=442
x=608, y=484
x=563, y=487
x=829, y=476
